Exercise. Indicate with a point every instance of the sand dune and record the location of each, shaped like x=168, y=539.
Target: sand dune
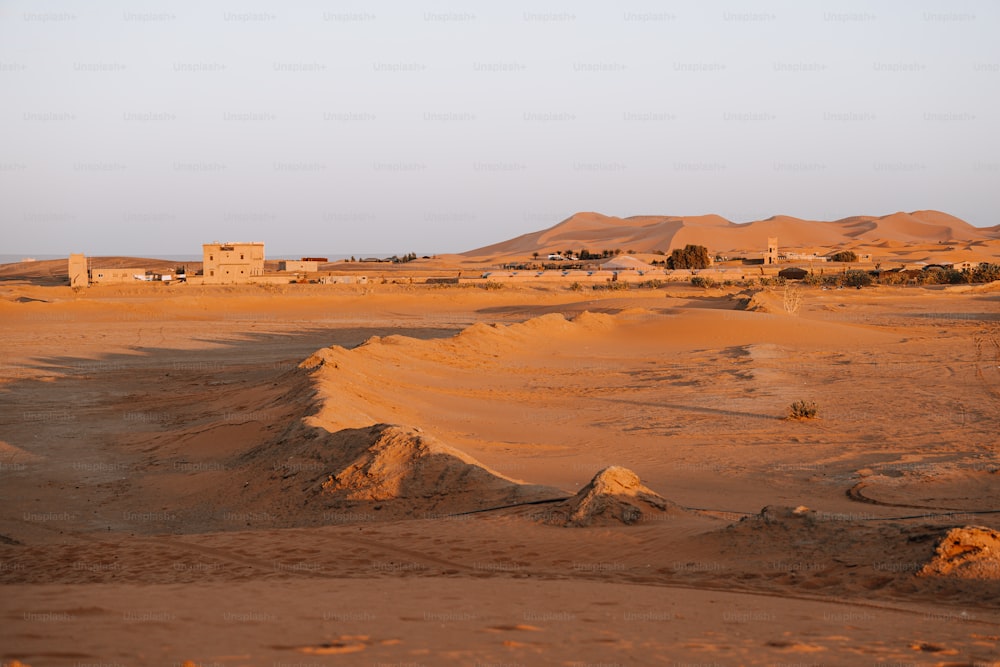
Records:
x=243, y=477
x=645, y=234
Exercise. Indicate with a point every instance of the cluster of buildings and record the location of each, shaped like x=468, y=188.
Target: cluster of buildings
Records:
x=242, y=263
x=773, y=256
x=81, y=275
x=222, y=264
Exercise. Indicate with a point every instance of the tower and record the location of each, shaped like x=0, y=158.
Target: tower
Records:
x=771, y=256
x=78, y=275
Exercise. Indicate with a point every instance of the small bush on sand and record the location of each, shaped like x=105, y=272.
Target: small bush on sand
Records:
x=613, y=285
x=802, y=410
x=791, y=299
x=856, y=278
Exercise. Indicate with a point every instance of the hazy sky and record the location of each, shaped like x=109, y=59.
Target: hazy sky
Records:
x=385, y=127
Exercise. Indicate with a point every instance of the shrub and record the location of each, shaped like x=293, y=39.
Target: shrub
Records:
x=813, y=280
x=844, y=256
x=613, y=285
x=891, y=278
x=576, y=286
x=857, y=278
x=702, y=281
x=984, y=273
x=791, y=299
x=690, y=257
x=954, y=276
x=491, y=285
x=802, y=410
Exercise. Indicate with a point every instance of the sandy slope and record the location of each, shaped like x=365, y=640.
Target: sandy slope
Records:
x=245, y=478
x=645, y=234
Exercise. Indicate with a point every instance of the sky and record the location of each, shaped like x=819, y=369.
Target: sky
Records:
x=337, y=128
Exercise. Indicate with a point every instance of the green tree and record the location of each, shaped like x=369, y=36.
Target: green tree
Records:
x=689, y=257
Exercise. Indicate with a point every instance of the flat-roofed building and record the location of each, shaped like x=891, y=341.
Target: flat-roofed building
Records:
x=117, y=275
x=227, y=263
x=298, y=266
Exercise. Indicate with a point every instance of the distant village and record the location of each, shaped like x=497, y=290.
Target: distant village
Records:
x=243, y=263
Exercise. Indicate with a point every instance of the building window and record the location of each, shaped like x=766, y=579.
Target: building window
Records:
x=241, y=255
x=211, y=272
x=211, y=258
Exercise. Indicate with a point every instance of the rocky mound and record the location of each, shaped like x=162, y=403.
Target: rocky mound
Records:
x=614, y=495
x=971, y=552
x=400, y=463
x=780, y=514
x=311, y=476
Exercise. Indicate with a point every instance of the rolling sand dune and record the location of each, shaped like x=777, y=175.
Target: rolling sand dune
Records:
x=645, y=234
x=530, y=475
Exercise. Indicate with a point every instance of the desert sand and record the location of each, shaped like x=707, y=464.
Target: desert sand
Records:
x=445, y=475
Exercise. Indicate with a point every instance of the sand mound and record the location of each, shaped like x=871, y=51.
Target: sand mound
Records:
x=757, y=302
x=310, y=476
x=971, y=552
x=764, y=301
x=405, y=463
x=776, y=523
x=778, y=514
x=614, y=495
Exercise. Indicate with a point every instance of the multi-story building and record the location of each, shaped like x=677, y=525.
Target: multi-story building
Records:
x=227, y=263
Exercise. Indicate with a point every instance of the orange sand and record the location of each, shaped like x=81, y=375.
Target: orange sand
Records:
x=207, y=474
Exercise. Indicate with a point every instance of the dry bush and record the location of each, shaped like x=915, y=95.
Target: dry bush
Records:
x=802, y=410
x=791, y=299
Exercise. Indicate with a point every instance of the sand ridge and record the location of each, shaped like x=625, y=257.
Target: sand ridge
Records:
x=646, y=234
